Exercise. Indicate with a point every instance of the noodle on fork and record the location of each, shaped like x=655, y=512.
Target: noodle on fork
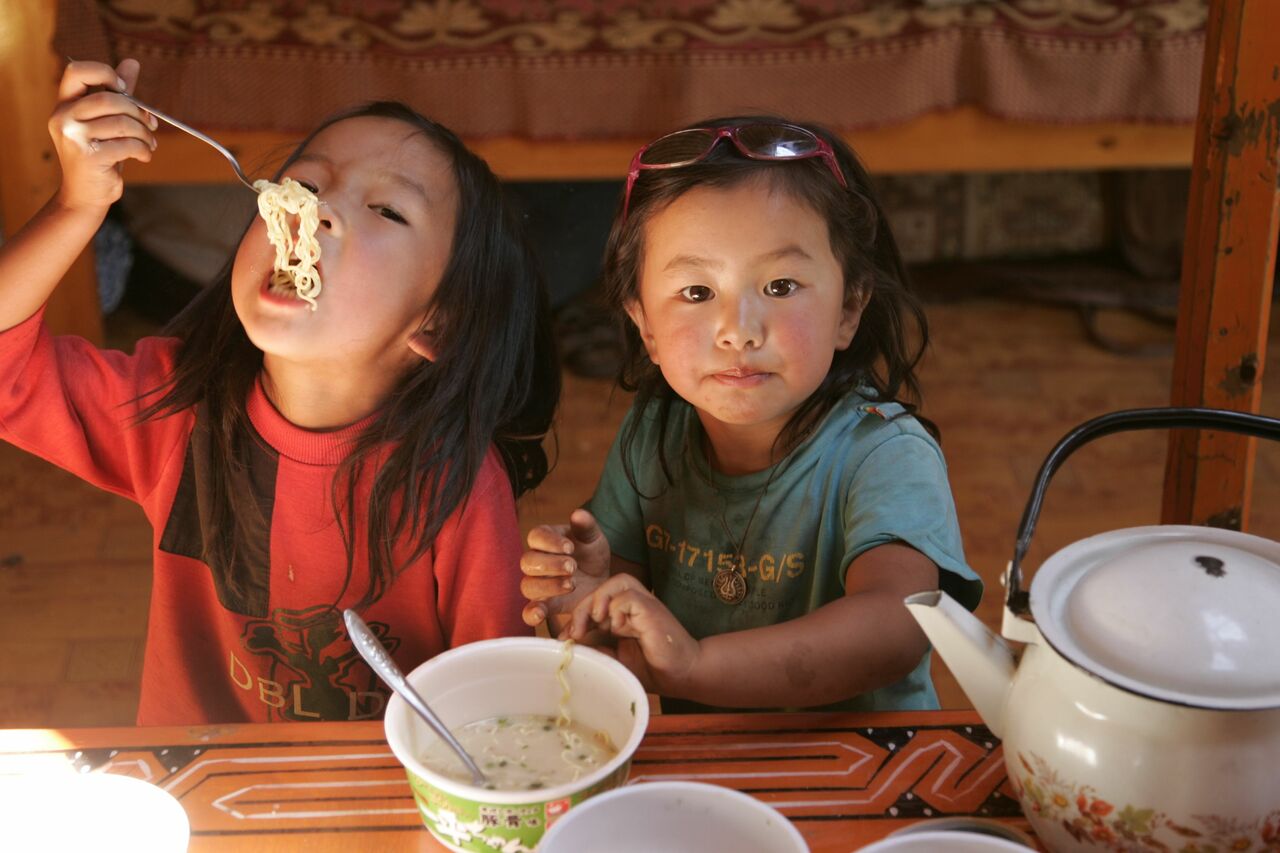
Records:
x=295, y=261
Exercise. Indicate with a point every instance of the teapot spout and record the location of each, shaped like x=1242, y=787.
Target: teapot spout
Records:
x=981, y=661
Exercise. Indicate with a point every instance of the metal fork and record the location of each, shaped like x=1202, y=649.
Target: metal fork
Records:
x=231, y=158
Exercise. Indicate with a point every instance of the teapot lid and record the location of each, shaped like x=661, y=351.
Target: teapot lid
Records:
x=1183, y=614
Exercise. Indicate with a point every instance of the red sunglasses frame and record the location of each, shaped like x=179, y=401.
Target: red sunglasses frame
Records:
x=730, y=132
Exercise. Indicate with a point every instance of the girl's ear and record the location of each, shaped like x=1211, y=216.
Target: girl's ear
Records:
x=423, y=343
x=851, y=316
x=636, y=312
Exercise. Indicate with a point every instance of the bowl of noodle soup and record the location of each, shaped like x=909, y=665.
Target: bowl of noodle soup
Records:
x=549, y=723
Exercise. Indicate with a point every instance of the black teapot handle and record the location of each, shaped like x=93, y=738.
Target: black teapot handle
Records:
x=1222, y=420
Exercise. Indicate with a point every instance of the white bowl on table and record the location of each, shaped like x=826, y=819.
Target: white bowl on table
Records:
x=673, y=817
x=944, y=841
x=66, y=811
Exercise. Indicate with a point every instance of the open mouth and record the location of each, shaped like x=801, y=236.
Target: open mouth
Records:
x=281, y=284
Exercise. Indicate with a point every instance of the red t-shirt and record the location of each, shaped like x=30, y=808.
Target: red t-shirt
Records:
x=277, y=651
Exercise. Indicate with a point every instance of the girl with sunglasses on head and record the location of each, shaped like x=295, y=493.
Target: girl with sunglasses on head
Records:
x=295, y=462
x=771, y=497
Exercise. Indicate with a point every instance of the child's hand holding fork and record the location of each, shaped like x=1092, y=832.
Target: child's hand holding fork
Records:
x=95, y=130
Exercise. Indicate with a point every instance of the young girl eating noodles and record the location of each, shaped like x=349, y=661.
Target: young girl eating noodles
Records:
x=292, y=461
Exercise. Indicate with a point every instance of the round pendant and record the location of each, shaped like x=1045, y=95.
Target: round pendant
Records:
x=730, y=587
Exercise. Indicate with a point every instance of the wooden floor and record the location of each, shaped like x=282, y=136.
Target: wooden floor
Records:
x=1004, y=380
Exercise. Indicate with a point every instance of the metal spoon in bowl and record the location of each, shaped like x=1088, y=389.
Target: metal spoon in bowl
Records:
x=375, y=654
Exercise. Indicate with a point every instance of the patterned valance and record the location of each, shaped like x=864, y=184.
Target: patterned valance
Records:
x=622, y=68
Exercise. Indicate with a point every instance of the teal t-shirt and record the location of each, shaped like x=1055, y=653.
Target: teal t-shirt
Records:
x=866, y=476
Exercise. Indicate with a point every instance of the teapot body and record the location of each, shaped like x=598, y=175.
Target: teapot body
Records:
x=1144, y=713
x=1097, y=767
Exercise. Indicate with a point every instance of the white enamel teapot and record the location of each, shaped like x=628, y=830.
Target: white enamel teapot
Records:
x=1144, y=711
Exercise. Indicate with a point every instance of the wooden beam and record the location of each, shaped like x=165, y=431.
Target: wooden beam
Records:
x=957, y=140
x=968, y=140
x=29, y=172
x=1228, y=262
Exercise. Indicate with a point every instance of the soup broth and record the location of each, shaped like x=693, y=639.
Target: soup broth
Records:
x=523, y=752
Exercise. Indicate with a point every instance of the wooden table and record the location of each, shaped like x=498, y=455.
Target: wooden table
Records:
x=845, y=780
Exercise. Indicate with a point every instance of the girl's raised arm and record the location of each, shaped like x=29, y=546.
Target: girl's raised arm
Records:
x=94, y=132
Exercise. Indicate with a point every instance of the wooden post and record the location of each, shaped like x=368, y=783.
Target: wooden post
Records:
x=1228, y=261
x=29, y=173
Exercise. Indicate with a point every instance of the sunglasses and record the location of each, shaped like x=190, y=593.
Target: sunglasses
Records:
x=756, y=141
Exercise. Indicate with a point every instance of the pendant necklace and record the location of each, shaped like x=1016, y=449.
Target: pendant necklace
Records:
x=730, y=585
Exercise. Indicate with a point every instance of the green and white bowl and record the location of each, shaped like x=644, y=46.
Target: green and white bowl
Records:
x=506, y=677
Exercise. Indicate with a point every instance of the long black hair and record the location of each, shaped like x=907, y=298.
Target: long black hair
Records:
x=494, y=379
x=885, y=350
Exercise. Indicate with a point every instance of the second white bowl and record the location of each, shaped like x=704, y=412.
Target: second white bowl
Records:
x=674, y=817
x=945, y=841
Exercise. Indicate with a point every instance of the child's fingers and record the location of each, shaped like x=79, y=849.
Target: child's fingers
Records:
x=600, y=607
x=534, y=614
x=128, y=71
x=580, y=616
x=118, y=127
x=594, y=637
x=543, y=589
x=90, y=123
x=101, y=105
x=589, y=543
x=594, y=609
x=601, y=601
x=79, y=77
x=542, y=565
x=551, y=538
x=622, y=609
x=583, y=527
x=113, y=151
x=626, y=609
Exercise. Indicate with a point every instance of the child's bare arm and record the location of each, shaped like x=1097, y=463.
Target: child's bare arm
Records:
x=563, y=564
x=864, y=641
x=93, y=133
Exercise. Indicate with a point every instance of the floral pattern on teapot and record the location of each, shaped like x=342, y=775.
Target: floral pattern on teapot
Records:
x=1095, y=821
